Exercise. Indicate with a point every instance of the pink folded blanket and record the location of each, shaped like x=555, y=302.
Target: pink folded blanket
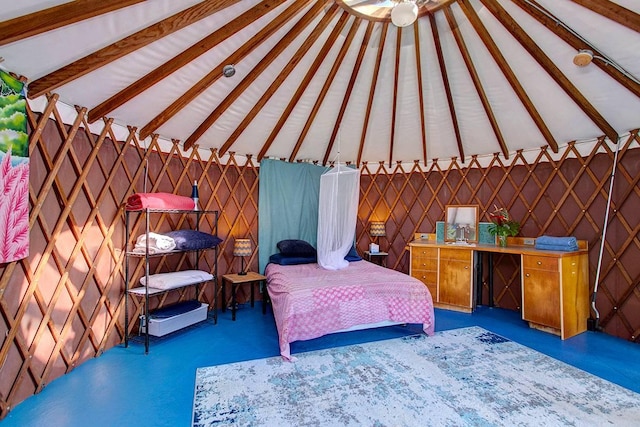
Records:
x=139, y=201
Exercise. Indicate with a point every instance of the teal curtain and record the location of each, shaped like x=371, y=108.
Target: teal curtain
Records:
x=288, y=205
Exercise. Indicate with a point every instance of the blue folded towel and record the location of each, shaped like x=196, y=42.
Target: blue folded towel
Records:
x=551, y=243
x=554, y=248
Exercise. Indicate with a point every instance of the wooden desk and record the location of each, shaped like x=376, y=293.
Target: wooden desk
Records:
x=555, y=285
x=237, y=280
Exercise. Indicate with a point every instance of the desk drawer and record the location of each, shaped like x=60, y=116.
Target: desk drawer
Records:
x=430, y=280
x=540, y=263
x=422, y=252
x=456, y=254
x=426, y=277
x=424, y=263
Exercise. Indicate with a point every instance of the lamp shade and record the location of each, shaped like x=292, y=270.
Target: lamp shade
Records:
x=464, y=216
x=404, y=13
x=242, y=247
x=376, y=229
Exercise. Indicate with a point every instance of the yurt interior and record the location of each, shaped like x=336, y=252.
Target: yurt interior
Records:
x=319, y=212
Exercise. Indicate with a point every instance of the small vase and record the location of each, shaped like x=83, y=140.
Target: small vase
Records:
x=502, y=241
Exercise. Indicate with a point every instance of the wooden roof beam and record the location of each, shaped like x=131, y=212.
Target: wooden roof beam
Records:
x=423, y=125
x=547, y=64
x=347, y=96
x=280, y=47
x=396, y=83
x=313, y=69
x=477, y=83
x=325, y=88
x=183, y=58
x=282, y=76
x=372, y=91
x=55, y=17
x=216, y=72
x=577, y=43
x=447, y=87
x=486, y=38
x=613, y=11
x=125, y=46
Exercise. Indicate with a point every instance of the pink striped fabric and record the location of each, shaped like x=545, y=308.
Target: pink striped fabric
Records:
x=14, y=210
x=309, y=302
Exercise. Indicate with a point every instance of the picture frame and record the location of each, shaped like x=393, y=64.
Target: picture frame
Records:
x=461, y=223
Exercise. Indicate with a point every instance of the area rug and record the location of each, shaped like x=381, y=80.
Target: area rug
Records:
x=463, y=377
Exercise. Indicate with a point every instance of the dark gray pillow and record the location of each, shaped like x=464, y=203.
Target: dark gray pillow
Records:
x=295, y=247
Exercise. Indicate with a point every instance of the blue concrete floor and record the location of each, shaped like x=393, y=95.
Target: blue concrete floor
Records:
x=124, y=387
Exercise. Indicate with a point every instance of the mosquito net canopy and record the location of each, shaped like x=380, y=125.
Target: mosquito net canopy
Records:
x=337, y=213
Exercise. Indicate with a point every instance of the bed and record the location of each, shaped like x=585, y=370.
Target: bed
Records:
x=309, y=302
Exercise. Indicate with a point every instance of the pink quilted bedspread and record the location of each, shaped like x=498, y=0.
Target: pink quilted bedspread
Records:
x=309, y=302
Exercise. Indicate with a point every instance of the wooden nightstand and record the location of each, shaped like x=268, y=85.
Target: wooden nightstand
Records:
x=379, y=258
x=236, y=280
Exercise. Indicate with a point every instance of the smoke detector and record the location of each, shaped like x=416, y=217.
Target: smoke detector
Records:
x=228, y=70
x=583, y=58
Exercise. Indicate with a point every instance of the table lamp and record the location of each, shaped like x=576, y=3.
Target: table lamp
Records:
x=242, y=248
x=376, y=230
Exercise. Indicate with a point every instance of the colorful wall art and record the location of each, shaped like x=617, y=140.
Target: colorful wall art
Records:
x=14, y=170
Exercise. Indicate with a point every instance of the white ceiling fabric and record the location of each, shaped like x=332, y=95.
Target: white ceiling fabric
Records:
x=37, y=56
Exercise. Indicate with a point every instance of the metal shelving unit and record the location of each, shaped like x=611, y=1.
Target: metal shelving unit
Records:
x=146, y=291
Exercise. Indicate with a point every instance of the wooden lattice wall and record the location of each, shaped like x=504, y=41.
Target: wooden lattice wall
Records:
x=554, y=197
x=63, y=304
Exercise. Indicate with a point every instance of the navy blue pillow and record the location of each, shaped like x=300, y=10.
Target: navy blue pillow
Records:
x=293, y=247
x=353, y=255
x=291, y=259
x=191, y=240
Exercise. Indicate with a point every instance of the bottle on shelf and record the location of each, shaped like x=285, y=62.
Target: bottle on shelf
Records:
x=194, y=195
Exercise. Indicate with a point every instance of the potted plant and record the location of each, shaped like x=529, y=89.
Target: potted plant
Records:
x=502, y=225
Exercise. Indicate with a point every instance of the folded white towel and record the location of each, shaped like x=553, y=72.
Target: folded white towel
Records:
x=157, y=243
x=176, y=278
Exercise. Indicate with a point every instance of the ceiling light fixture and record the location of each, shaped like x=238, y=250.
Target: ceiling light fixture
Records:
x=404, y=13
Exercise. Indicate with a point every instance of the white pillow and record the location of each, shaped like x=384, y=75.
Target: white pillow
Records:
x=176, y=279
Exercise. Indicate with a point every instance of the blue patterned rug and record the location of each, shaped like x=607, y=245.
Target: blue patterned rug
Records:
x=463, y=377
